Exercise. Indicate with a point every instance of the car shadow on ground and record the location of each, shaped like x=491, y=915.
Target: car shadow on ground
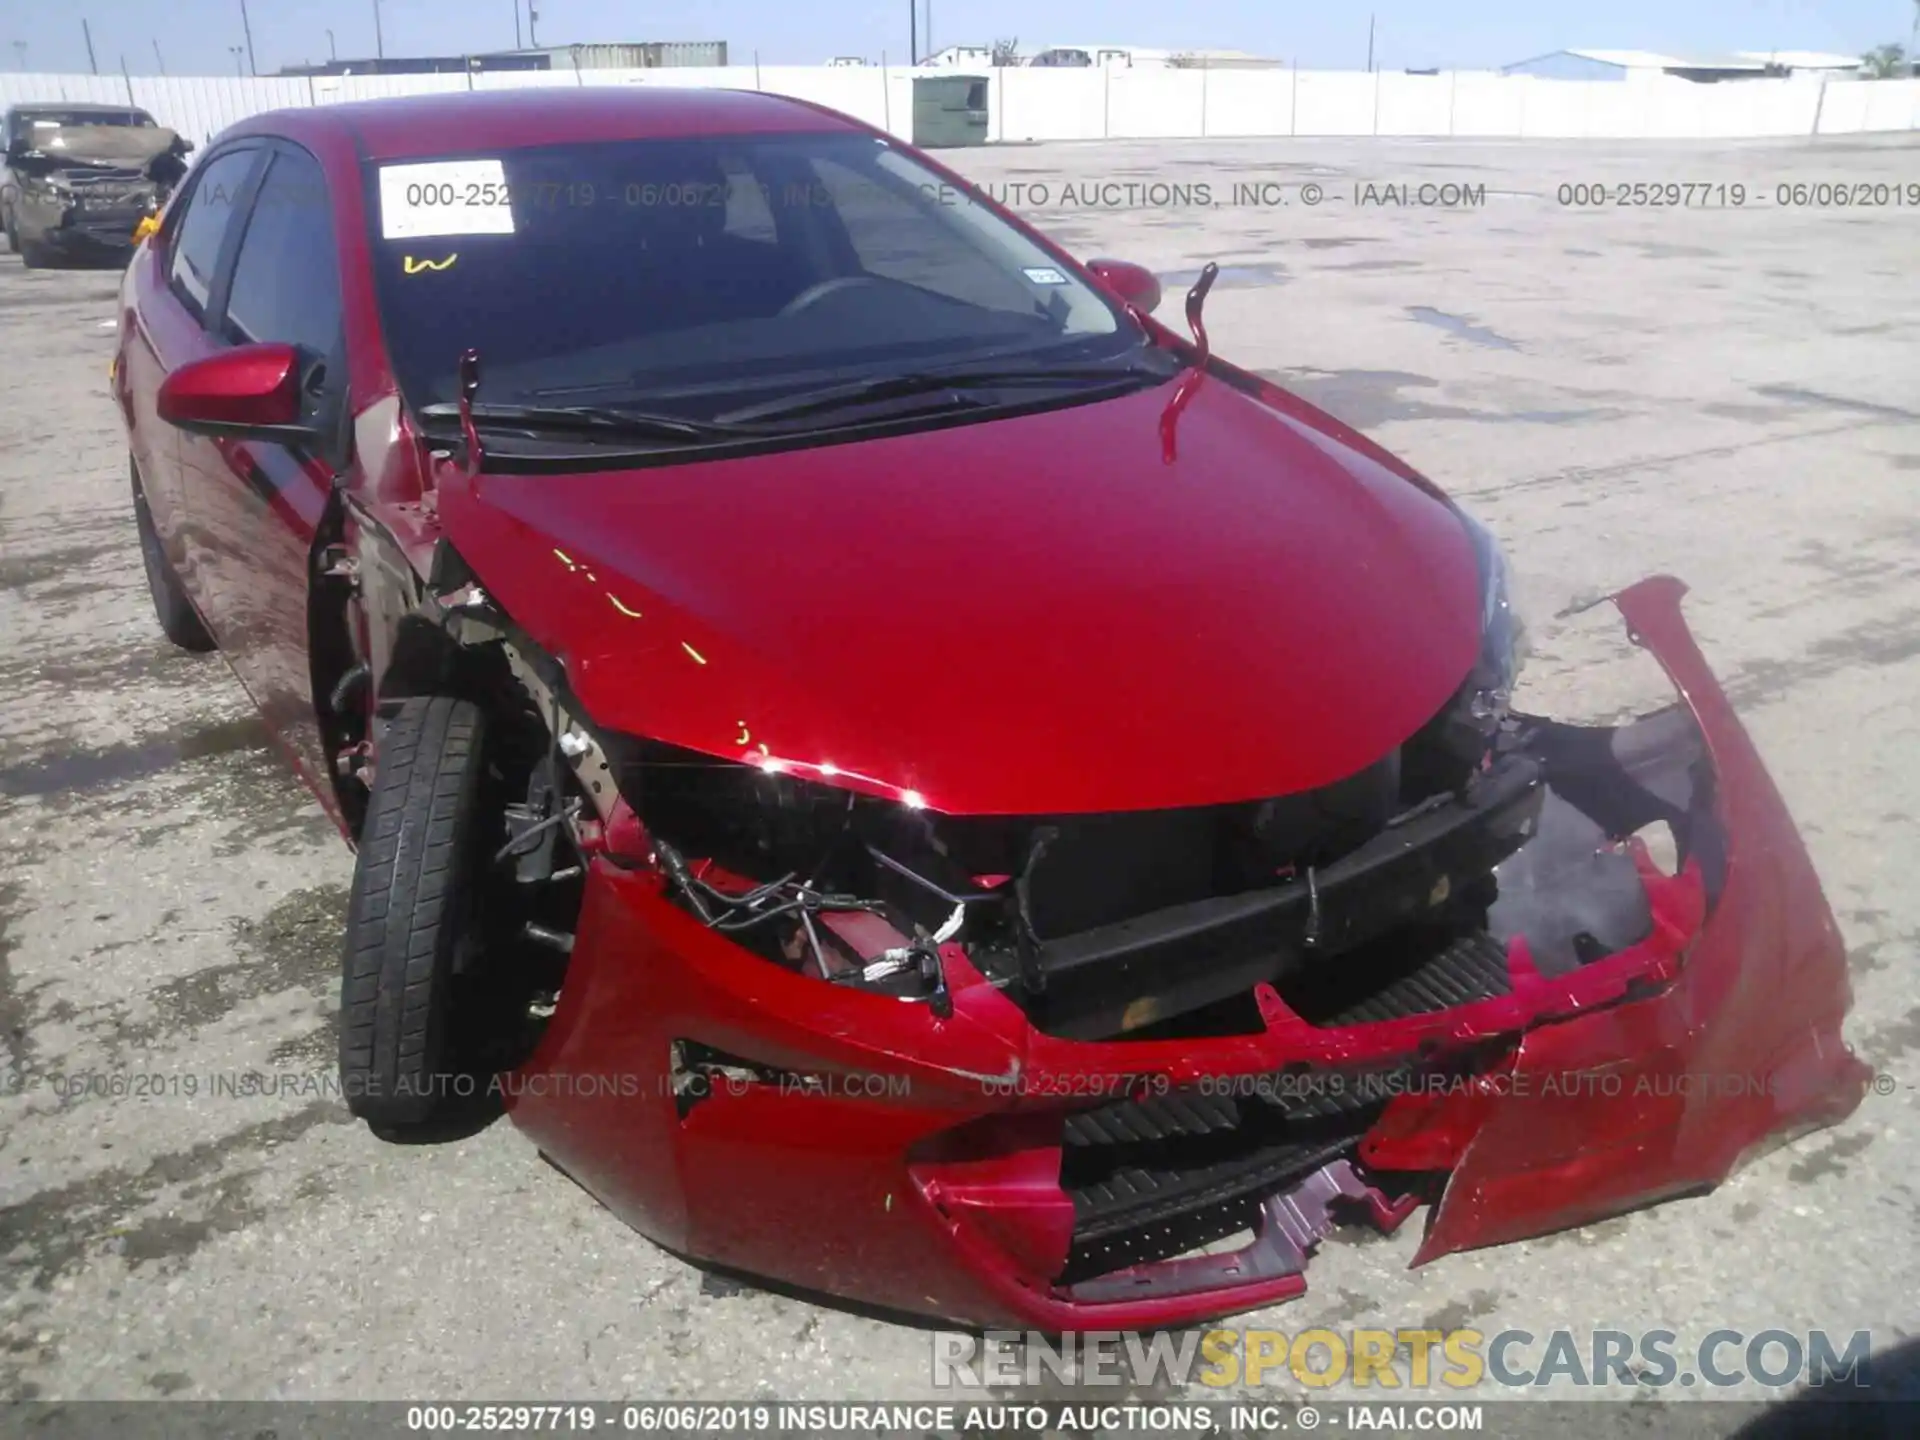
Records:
x=1884, y=1404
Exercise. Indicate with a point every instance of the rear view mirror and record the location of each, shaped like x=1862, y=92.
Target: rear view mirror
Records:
x=1134, y=284
x=251, y=392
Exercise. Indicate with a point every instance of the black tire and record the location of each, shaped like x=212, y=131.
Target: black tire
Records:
x=413, y=907
x=179, y=621
x=33, y=255
x=13, y=239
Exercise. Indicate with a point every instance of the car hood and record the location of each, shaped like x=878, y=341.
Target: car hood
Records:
x=1039, y=614
x=131, y=145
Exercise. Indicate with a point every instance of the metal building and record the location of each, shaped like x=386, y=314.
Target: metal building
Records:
x=647, y=55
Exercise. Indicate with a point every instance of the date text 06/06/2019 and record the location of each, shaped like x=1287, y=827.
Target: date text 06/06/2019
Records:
x=922, y=1418
x=1737, y=195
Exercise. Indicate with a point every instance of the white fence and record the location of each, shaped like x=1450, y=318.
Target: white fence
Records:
x=1135, y=104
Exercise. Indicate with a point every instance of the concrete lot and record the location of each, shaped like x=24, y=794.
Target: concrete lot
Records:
x=1729, y=395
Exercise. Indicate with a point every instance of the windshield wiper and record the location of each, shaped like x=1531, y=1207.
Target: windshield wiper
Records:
x=923, y=382
x=590, y=419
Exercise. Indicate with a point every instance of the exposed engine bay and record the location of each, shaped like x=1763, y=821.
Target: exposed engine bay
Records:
x=1379, y=890
x=1099, y=925
x=1396, y=891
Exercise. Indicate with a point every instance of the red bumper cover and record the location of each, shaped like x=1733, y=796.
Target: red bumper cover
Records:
x=915, y=1163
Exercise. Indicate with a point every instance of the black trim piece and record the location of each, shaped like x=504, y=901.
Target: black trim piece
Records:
x=1135, y=1198
x=1213, y=949
x=612, y=457
x=1145, y=1175
x=1159, y=1117
x=1469, y=969
x=1178, y=1114
x=1203, y=1225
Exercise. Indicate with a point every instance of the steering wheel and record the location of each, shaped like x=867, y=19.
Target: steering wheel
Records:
x=819, y=291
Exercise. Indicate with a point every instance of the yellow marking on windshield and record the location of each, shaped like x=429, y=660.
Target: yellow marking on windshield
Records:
x=414, y=267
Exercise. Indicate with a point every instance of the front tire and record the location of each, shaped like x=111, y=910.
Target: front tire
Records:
x=180, y=622
x=413, y=911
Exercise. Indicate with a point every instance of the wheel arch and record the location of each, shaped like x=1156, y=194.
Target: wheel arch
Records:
x=379, y=633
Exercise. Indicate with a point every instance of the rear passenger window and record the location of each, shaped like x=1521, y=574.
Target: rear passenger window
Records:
x=286, y=281
x=210, y=210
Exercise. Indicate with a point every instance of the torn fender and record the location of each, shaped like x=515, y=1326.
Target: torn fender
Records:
x=1668, y=1094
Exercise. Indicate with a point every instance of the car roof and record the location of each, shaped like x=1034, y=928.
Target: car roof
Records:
x=421, y=126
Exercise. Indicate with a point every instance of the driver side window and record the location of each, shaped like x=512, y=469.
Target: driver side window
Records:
x=290, y=232
x=200, y=234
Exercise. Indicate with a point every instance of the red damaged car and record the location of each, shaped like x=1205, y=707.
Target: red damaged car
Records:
x=901, y=773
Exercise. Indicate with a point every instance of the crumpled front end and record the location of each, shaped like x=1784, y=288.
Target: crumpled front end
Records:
x=1153, y=1119
x=1740, y=1051
x=87, y=198
x=92, y=213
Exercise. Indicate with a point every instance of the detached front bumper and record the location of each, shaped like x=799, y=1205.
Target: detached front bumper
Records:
x=978, y=1169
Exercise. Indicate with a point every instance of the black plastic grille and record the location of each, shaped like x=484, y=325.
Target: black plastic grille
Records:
x=1423, y=979
x=1136, y=1195
x=1160, y=1117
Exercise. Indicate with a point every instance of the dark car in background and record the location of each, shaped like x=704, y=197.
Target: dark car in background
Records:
x=79, y=179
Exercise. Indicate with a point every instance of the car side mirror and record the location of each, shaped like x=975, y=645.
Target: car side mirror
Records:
x=251, y=392
x=1134, y=284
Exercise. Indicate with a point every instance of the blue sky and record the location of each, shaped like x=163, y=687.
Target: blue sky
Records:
x=194, y=36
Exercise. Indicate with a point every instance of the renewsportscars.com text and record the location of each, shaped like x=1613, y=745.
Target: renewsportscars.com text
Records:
x=1409, y=1359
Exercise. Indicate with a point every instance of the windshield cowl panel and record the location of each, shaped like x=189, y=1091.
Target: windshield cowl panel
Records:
x=514, y=447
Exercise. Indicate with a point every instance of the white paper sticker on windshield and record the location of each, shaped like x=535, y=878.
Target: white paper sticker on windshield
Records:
x=444, y=197
x=1044, y=275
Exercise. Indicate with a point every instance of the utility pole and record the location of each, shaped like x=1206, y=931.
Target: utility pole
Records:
x=87, y=30
x=20, y=53
x=930, y=49
x=533, y=19
x=333, y=51
x=158, y=59
x=1369, y=44
x=516, y=24
x=239, y=53
x=246, y=25
x=913, y=32
x=379, y=45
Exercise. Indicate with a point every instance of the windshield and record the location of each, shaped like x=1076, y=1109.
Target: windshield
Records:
x=693, y=276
